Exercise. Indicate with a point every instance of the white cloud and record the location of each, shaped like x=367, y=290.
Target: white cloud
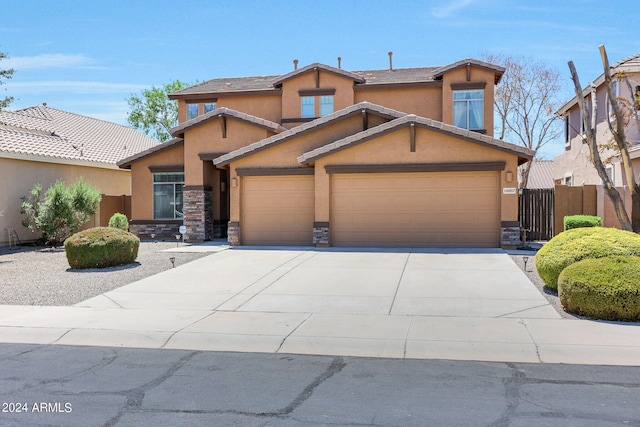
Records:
x=50, y=60
x=449, y=9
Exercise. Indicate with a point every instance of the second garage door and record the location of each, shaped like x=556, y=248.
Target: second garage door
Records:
x=277, y=210
x=448, y=209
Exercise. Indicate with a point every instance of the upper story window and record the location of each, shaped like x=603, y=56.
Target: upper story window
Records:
x=307, y=106
x=192, y=111
x=316, y=106
x=209, y=106
x=468, y=109
x=167, y=195
x=567, y=133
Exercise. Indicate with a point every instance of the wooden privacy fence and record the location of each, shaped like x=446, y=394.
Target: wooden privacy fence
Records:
x=535, y=213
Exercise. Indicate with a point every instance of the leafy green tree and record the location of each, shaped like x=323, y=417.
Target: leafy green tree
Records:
x=5, y=74
x=153, y=113
x=61, y=211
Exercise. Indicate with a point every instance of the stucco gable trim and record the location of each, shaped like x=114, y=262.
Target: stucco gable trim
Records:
x=126, y=163
x=413, y=120
x=313, y=125
x=179, y=130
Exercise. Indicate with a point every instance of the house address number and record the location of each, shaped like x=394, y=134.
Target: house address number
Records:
x=509, y=190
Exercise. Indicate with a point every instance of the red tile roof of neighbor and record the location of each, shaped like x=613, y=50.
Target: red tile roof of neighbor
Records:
x=43, y=131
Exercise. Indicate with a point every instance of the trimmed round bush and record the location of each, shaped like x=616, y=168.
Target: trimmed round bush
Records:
x=101, y=247
x=120, y=221
x=577, y=244
x=603, y=288
x=580, y=221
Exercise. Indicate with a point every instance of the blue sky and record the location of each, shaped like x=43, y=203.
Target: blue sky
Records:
x=88, y=57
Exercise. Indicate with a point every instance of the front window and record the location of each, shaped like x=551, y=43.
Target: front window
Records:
x=192, y=111
x=307, y=106
x=468, y=109
x=167, y=195
x=326, y=105
x=209, y=106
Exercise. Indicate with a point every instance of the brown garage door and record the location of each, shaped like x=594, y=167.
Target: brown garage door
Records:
x=459, y=209
x=277, y=210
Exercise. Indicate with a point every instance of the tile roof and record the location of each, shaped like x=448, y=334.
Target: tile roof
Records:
x=48, y=132
x=407, y=120
x=306, y=127
x=362, y=78
x=226, y=112
x=540, y=175
x=126, y=162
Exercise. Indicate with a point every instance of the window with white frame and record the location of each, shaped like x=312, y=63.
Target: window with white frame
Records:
x=167, y=195
x=567, y=133
x=307, y=106
x=192, y=111
x=468, y=109
x=610, y=169
x=568, y=180
x=616, y=94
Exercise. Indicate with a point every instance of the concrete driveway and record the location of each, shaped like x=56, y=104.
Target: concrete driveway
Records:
x=413, y=303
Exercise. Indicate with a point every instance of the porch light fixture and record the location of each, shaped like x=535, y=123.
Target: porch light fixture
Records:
x=509, y=176
x=234, y=182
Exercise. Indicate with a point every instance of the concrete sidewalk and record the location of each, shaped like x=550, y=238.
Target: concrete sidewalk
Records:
x=401, y=303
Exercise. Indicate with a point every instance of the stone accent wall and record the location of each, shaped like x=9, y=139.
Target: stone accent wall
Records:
x=160, y=230
x=510, y=234
x=233, y=233
x=321, y=234
x=198, y=213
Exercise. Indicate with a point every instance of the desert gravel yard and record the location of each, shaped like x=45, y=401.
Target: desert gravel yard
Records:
x=41, y=276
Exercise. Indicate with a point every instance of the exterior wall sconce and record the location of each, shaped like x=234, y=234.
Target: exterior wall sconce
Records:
x=234, y=182
x=509, y=176
x=223, y=186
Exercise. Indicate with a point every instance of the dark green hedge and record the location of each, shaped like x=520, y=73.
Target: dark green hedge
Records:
x=101, y=247
x=603, y=288
x=580, y=221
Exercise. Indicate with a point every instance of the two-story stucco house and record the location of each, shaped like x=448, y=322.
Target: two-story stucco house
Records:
x=574, y=167
x=324, y=156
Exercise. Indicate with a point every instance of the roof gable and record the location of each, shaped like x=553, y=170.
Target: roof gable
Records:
x=126, y=163
x=498, y=70
x=316, y=124
x=314, y=67
x=413, y=120
x=179, y=130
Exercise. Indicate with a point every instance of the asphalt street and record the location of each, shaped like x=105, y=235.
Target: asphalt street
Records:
x=55, y=385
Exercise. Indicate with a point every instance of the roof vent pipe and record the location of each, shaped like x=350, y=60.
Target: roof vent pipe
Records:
x=339, y=61
x=295, y=64
x=391, y=61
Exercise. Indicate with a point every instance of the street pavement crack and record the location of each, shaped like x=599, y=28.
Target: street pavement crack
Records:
x=512, y=387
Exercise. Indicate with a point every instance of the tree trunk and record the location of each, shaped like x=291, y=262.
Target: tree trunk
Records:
x=635, y=211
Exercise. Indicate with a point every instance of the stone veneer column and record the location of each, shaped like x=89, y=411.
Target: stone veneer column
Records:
x=321, y=234
x=510, y=234
x=197, y=206
x=233, y=233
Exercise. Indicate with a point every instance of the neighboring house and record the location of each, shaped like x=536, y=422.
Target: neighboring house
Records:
x=323, y=156
x=42, y=144
x=540, y=175
x=574, y=167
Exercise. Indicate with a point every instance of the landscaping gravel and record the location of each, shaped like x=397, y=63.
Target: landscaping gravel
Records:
x=42, y=276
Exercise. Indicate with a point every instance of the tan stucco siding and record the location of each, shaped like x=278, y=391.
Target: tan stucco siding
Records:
x=431, y=147
x=291, y=98
x=425, y=101
x=268, y=107
x=476, y=75
x=208, y=137
x=19, y=176
x=142, y=180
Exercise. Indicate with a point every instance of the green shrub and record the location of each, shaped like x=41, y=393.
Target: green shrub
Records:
x=603, y=288
x=101, y=247
x=581, y=243
x=580, y=221
x=61, y=211
x=120, y=221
